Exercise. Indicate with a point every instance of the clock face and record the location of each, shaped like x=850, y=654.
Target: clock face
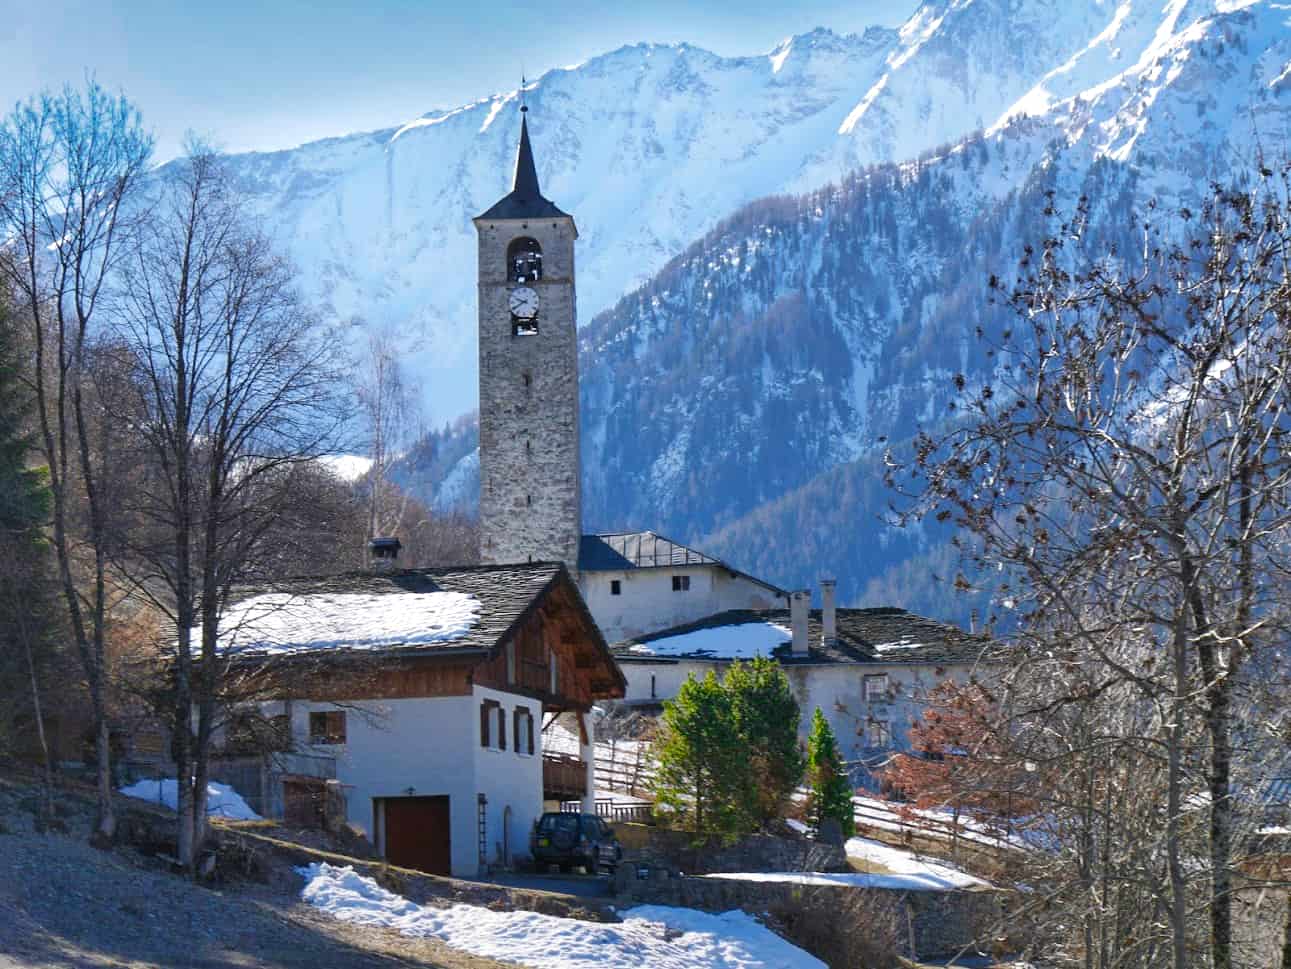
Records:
x=523, y=303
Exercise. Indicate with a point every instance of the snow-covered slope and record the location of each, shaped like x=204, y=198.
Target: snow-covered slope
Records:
x=746, y=392
x=650, y=146
x=811, y=253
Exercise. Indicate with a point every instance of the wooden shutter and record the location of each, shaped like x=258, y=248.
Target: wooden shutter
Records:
x=484, y=723
x=502, y=729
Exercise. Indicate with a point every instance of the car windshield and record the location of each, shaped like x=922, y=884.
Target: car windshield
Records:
x=558, y=822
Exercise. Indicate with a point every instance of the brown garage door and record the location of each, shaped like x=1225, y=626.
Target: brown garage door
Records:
x=416, y=830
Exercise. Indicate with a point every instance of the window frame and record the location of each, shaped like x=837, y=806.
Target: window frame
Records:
x=880, y=695
x=681, y=583
x=328, y=736
x=616, y=587
x=880, y=731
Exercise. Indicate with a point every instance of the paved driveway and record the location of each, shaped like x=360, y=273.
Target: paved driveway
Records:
x=584, y=886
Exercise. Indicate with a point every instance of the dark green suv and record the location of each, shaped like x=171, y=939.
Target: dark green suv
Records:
x=568, y=839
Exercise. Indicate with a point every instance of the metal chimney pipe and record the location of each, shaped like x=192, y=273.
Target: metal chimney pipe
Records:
x=799, y=606
x=828, y=612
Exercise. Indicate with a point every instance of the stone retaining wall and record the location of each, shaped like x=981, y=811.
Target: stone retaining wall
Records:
x=843, y=925
x=757, y=852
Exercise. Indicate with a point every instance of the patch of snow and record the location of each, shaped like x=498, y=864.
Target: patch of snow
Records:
x=910, y=882
x=800, y=826
x=649, y=937
x=908, y=865
x=280, y=622
x=221, y=800
x=778, y=55
x=347, y=467
x=740, y=641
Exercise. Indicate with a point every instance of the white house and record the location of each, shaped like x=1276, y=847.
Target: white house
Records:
x=423, y=693
x=638, y=582
x=868, y=670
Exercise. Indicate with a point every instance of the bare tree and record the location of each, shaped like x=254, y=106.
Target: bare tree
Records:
x=236, y=385
x=1127, y=473
x=389, y=408
x=69, y=164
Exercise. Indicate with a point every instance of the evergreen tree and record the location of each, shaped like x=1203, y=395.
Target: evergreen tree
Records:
x=26, y=610
x=24, y=498
x=703, y=774
x=765, y=716
x=831, y=791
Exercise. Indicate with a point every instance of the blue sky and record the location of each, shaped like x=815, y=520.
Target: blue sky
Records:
x=254, y=76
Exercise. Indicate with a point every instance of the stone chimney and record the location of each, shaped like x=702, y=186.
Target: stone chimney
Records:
x=384, y=554
x=799, y=606
x=828, y=614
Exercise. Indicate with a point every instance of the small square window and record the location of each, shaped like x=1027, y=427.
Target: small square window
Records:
x=681, y=583
x=878, y=734
x=876, y=688
x=327, y=727
x=616, y=587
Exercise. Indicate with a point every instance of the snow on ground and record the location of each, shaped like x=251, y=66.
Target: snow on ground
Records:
x=347, y=467
x=740, y=641
x=909, y=866
x=649, y=937
x=905, y=882
x=876, y=813
x=221, y=800
x=280, y=622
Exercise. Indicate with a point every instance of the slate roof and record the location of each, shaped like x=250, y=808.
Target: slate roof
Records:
x=861, y=633
x=505, y=593
x=525, y=200
x=616, y=551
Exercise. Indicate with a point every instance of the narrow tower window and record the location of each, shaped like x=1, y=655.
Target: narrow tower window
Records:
x=524, y=260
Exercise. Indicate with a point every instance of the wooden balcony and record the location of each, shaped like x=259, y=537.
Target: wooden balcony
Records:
x=564, y=777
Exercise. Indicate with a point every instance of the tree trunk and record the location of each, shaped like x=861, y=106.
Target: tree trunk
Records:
x=1174, y=800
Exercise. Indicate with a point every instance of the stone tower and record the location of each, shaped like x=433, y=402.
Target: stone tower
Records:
x=530, y=493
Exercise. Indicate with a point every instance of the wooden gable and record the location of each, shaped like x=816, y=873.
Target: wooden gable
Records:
x=557, y=630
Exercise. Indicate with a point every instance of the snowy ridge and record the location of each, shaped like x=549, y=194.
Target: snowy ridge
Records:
x=650, y=146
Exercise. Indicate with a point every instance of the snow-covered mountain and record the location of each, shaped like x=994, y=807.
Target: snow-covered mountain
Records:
x=650, y=146
x=810, y=231
x=740, y=397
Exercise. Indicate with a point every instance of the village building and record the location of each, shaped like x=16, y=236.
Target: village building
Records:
x=638, y=582
x=868, y=670
x=422, y=695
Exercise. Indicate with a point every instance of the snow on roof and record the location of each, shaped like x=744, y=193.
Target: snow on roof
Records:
x=738, y=641
x=285, y=622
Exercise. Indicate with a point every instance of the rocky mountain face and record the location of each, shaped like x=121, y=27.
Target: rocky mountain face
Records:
x=850, y=197
x=650, y=147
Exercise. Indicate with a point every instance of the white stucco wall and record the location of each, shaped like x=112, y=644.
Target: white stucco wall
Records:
x=648, y=603
x=509, y=777
x=838, y=689
x=432, y=746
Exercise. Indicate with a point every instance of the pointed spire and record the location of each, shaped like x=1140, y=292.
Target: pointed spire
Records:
x=525, y=200
x=525, y=186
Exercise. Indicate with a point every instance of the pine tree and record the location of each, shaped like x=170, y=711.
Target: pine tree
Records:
x=766, y=716
x=831, y=791
x=25, y=593
x=703, y=774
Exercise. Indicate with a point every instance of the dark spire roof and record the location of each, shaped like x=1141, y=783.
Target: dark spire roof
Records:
x=526, y=200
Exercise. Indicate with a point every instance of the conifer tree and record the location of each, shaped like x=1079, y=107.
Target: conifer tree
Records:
x=25, y=606
x=703, y=774
x=766, y=716
x=831, y=791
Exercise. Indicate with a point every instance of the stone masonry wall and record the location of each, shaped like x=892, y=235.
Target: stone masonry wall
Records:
x=842, y=925
x=530, y=489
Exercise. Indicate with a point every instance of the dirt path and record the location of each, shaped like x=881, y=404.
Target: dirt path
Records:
x=63, y=903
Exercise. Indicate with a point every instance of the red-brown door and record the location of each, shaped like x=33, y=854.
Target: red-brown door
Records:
x=417, y=834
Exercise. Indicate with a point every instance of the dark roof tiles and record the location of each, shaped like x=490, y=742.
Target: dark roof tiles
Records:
x=879, y=635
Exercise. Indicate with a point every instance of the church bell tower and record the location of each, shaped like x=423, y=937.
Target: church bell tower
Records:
x=530, y=492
